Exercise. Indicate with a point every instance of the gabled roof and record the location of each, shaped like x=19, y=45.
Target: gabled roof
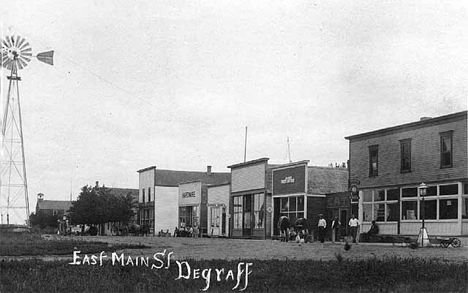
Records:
x=324, y=180
x=173, y=178
x=125, y=191
x=63, y=205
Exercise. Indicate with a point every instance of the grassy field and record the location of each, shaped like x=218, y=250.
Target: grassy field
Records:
x=371, y=275
x=31, y=244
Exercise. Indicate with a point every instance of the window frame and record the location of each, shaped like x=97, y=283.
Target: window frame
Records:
x=405, y=155
x=373, y=172
x=443, y=136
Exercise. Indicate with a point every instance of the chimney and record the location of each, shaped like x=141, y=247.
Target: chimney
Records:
x=40, y=197
x=208, y=170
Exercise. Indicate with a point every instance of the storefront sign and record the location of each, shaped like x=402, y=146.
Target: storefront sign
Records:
x=338, y=201
x=287, y=180
x=188, y=194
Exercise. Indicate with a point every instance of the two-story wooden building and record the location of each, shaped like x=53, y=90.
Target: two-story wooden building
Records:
x=387, y=166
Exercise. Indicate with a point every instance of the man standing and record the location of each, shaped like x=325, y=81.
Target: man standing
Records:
x=353, y=227
x=322, y=224
x=336, y=225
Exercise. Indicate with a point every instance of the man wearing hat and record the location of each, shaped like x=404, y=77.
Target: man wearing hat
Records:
x=322, y=225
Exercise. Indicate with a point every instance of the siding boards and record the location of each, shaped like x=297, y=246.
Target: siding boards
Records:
x=425, y=156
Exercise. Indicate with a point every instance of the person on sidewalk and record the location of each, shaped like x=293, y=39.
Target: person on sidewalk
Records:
x=322, y=225
x=336, y=225
x=353, y=227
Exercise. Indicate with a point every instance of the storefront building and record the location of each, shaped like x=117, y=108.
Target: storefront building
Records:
x=250, y=204
x=299, y=191
x=159, y=194
x=192, y=205
x=389, y=165
x=341, y=206
x=218, y=210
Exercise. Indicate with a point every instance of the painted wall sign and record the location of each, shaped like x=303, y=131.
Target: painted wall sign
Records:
x=188, y=194
x=289, y=180
x=338, y=201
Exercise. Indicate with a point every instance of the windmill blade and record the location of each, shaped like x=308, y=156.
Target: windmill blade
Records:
x=10, y=41
x=46, y=57
x=21, y=42
x=26, y=58
x=24, y=46
x=22, y=63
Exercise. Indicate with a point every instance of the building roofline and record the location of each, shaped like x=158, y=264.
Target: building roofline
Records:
x=411, y=125
x=146, y=169
x=219, y=184
x=248, y=163
x=287, y=165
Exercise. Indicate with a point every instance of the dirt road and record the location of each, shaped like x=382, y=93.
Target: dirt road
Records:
x=235, y=249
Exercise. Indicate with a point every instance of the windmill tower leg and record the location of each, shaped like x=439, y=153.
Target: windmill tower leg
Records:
x=14, y=200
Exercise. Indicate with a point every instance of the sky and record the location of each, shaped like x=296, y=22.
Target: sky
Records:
x=174, y=84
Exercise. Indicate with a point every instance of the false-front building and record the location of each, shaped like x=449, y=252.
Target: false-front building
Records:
x=387, y=166
x=170, y=198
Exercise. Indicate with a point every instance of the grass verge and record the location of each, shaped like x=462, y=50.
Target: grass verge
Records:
x=32, y=244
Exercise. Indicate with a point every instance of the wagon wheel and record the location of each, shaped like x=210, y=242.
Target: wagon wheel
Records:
x=444, y=244
x=456, y=242
x=115, y=230
x=125, y=231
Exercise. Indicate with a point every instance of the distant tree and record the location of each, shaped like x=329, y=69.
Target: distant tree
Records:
x=43, y=220
x=98, y=205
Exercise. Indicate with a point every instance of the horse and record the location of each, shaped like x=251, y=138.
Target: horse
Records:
x=283, y=225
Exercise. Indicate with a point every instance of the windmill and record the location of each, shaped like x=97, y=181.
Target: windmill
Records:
x=16, y=53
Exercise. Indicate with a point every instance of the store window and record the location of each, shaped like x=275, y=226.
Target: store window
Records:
x=446, y=154
x=373, y=161
x=448, y=209
x=259, y=210
x=451, y=189
x=393, y=194
x=405, y=155
x=409, y=192
x=409, y=210
x=430, y=209
x=379, y=212
x=393, y=211
x=292, y=207
x=367, y=212
x=380, y=205
x=237, y=212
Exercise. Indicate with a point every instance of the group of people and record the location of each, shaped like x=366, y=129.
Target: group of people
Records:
x=353, y=224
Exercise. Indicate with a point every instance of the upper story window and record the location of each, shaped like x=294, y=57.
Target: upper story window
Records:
x=149, y=193
x=373, y=160
x=143, y=190
x=446, y=154
x=405, y=155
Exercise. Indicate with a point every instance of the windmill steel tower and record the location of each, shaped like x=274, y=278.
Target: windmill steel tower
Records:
x=14, y=201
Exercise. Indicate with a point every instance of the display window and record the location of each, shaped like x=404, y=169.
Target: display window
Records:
x=237, y=215
x=380, y=205
x=292, y=207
